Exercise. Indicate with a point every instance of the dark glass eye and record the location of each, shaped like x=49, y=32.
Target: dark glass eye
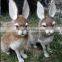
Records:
x=17, y=26
x=25, y=25
x=44, y=25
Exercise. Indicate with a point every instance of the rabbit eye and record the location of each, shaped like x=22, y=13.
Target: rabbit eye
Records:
x=44, y=25
x=17, y=26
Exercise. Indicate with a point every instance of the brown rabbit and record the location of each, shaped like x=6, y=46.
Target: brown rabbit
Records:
x=16, y=38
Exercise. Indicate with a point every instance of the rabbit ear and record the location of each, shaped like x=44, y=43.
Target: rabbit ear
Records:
x=26, y=10
x=40, y=10
x=52, y=8
x=12, y=10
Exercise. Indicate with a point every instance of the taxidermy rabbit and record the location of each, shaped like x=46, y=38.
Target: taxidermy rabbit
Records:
x=44, y=34
x=16, y=38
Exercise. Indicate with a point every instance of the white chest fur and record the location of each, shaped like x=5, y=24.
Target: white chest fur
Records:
x=17, y=44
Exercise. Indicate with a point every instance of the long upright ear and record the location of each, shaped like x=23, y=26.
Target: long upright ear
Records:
x=52, y=8
x=40, y=10
x=26, y=10
x=12, y=10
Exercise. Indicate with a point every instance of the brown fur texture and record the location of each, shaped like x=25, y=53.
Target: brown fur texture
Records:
x=21, y=20
x=10, y=37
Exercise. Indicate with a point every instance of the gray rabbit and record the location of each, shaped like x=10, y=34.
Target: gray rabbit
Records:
x=44, y=33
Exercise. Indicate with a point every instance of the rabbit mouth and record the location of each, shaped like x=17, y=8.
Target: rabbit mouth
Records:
x=47, y=35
